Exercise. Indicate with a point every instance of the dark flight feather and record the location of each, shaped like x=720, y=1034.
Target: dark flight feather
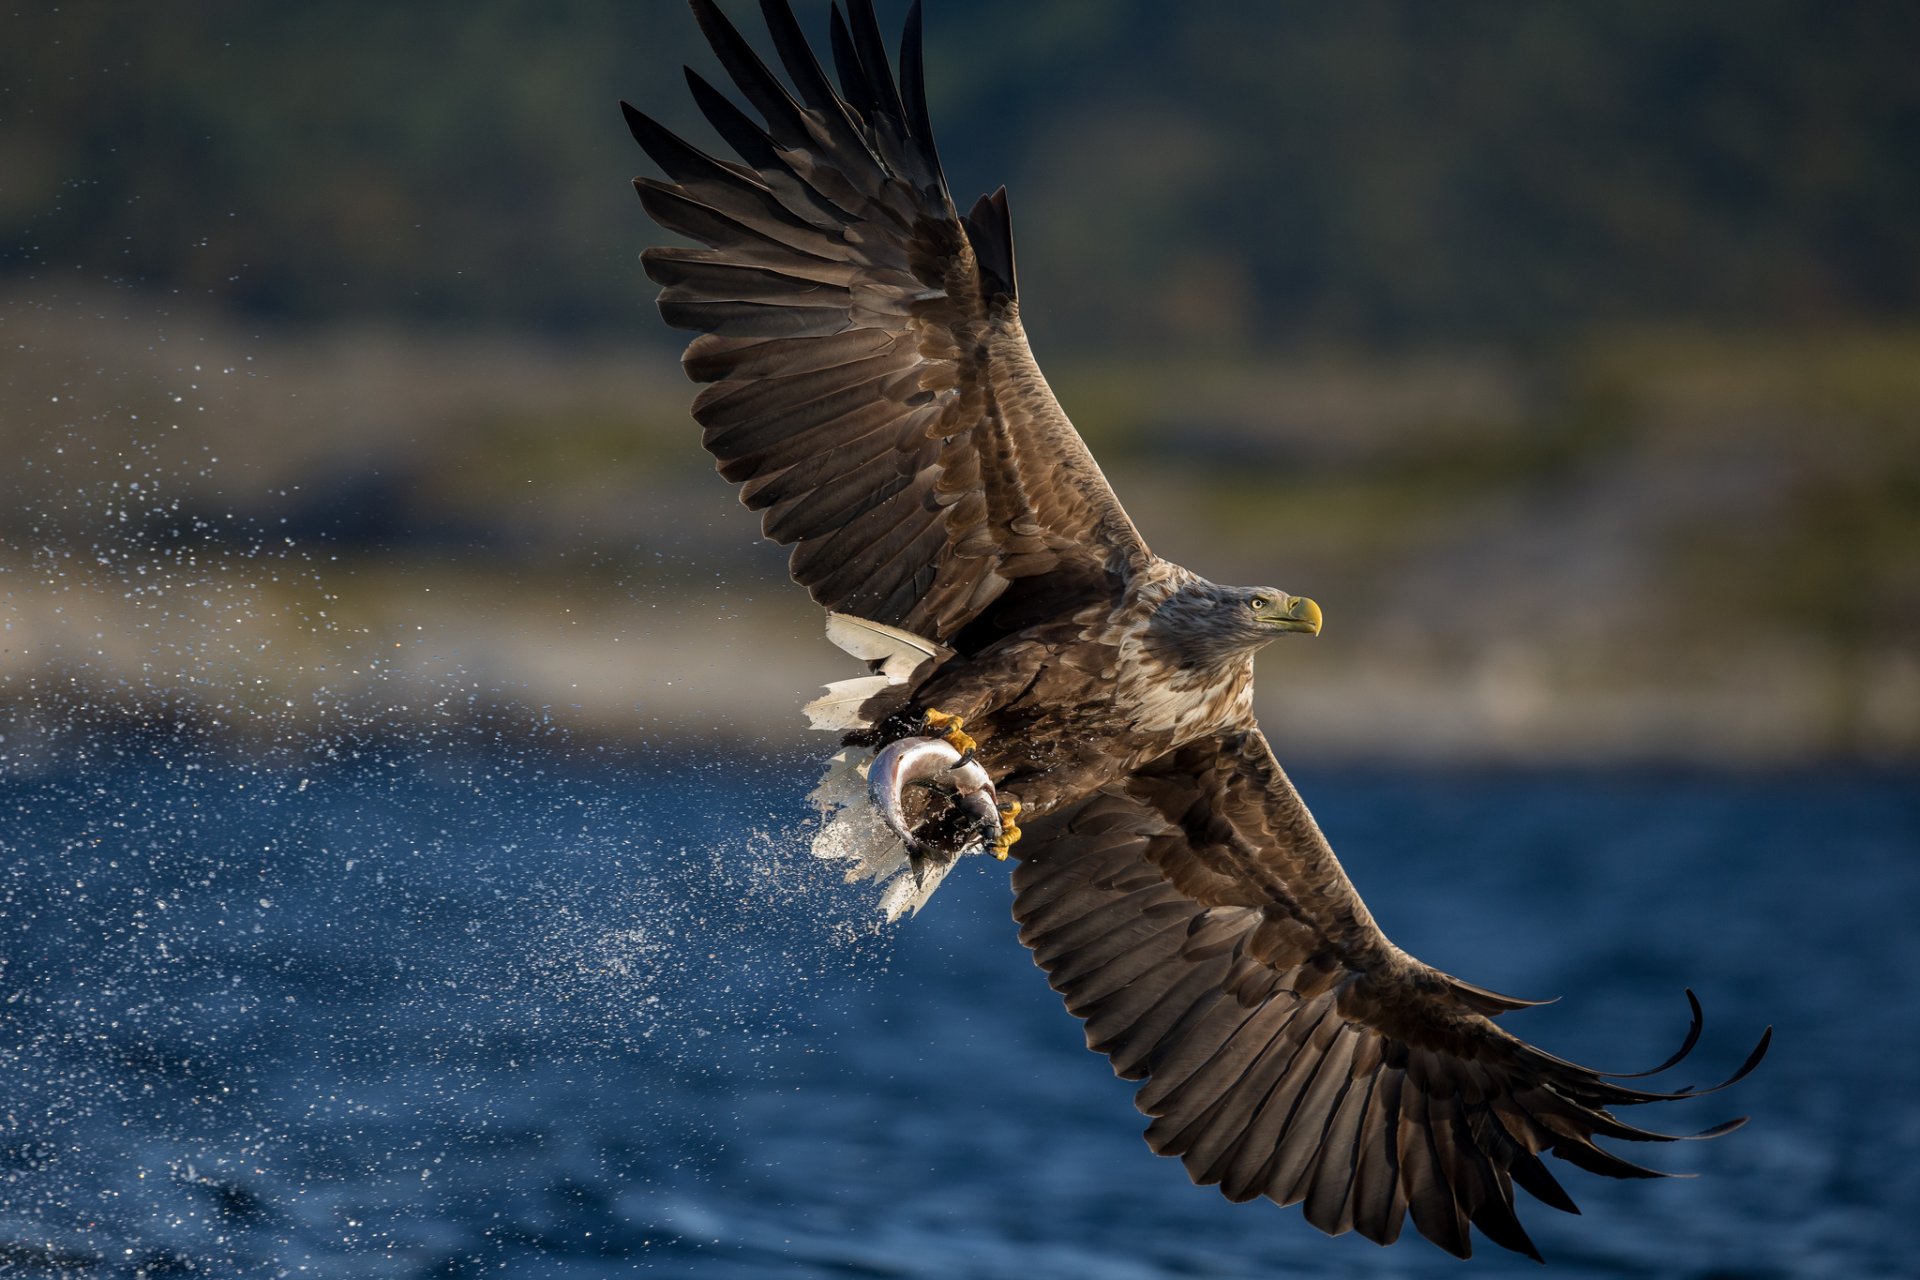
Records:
x=837, y=228
x=913, y=80
x=786, y=123
x=804, y=69
x=1371, y=1091
x=871, y=48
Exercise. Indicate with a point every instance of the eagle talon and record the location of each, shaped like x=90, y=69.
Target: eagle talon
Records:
x=1009, y=833
x=949, y=727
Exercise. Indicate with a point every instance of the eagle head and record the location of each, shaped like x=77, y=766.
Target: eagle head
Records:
x=1260, y=614
x=1206, y=623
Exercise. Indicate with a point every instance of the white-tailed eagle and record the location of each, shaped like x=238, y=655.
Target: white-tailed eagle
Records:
x=870, y=389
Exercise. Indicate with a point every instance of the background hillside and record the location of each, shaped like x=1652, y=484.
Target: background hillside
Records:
x=1221, y=173
x=1569, y=355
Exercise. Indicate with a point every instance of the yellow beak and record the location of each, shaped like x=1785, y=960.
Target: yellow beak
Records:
x=1301, y=614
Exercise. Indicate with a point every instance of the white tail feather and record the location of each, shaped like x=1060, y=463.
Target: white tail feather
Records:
x=839, y=708
x=899, y=653
x=851, y=832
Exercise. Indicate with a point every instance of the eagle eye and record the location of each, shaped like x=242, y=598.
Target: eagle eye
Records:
x=1260, y=603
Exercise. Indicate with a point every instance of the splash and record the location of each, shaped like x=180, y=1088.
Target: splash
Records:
x=308, y=903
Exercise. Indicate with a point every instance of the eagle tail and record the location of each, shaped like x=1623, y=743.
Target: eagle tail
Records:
x=841, y=707
x=888, y=651
x=851, y=833
x=898, y=660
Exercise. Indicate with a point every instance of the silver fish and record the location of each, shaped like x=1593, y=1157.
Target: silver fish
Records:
x=934, y=763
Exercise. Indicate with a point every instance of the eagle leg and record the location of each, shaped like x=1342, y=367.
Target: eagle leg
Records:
x=1009, y=830
x=950, y=728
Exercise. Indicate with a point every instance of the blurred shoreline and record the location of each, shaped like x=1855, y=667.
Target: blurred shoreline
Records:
x=1625, y=553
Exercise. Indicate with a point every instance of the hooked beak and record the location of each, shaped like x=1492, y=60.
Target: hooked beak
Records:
x=1301, y=614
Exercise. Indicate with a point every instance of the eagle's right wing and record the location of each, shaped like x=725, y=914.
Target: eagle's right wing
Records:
x=1195, y=917
x=872, y=389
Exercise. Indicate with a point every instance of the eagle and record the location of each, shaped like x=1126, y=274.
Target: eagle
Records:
x=869, y=387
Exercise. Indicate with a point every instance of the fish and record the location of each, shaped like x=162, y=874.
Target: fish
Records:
x=938, y=765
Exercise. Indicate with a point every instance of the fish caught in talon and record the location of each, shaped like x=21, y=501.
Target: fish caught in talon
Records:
x=938, y=765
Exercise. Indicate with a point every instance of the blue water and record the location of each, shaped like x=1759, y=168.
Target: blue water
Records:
x=432, y=1010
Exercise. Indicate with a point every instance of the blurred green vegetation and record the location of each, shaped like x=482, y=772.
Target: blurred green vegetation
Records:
x=1667, y=542
x=1569, y=354
x=1214, y=177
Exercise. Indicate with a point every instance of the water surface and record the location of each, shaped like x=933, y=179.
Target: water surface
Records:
x=417, y=1010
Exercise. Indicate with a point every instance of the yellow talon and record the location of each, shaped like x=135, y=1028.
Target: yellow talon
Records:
x=949, y=727
x=1009, y=833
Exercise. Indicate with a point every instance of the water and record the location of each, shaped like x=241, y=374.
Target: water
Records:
x=430, y=1010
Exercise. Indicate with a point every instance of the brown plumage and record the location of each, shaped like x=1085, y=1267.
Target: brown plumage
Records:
x=871, y=390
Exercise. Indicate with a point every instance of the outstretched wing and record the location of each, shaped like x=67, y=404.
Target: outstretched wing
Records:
x=1197, y=920
x=873, y=392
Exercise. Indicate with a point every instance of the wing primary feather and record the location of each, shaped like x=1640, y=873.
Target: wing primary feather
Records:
x=1128, y=1048
x=1695, y=1025
x=1249, y=1165
x=855, y=85
x=1329, y=1200
x=1591, y=1085
x=676, y=211
x=990, y=231
x=1191, y=1107
x=872, y=49
x=913, y=81
x=735, y=127
x=1491, y=1207
x=1436, y=1214
x=1220, y=1159
x=1524, y=1165
x=1594, y=1159
x=804, y=68
x=800, y=195
x=1721, y=1129
x=1746, y=1068
x=1538, y=1181
x=785, y=120
x=1453, y=1166
x=1189, y=1051
x=680, y=159
x=1290, y=1170
x=1378, y=1199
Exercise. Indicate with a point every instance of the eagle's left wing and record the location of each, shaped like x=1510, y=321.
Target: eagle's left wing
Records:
x=871, y=387
x=1196, y=918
